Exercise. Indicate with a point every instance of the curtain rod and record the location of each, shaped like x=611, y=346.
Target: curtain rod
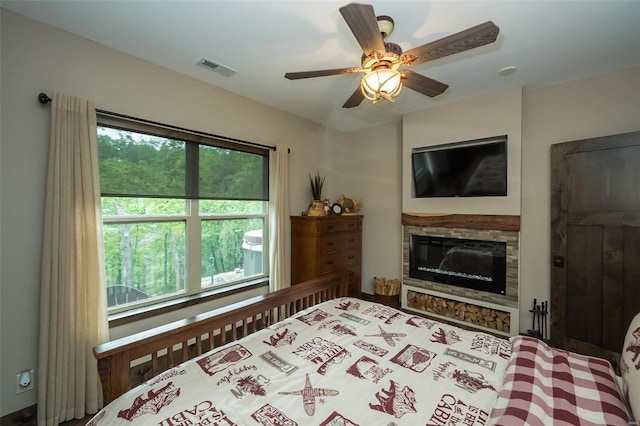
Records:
x=44, y=99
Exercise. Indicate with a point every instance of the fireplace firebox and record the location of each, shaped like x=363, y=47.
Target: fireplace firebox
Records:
x=475, y=264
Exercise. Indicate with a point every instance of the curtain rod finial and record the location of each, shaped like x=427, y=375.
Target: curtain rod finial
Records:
x=43, y=98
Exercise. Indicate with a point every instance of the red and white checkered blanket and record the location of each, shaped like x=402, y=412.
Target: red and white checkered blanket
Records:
x=544, y=386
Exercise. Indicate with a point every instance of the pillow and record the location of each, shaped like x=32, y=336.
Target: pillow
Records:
x=630, y=366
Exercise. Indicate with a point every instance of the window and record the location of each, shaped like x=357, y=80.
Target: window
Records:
x=183, y=213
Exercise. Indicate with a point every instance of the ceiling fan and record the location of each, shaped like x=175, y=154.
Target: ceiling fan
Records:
x=381, y=60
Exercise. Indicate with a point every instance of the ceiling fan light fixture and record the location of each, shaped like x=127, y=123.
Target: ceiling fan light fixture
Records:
x=381, y=83
x=380, y=60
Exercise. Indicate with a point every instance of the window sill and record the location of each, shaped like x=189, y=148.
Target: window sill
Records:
x=134, y=315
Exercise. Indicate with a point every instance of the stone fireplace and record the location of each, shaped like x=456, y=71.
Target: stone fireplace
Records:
x=462, y=268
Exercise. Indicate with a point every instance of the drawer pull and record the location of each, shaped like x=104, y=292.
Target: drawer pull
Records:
x=330, y=227
x=352, y=240
x=330, y=243
x=330, y=262
x=352, y=257
x=351, y=225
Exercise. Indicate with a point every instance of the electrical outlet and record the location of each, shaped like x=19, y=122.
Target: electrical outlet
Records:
x=24, y=381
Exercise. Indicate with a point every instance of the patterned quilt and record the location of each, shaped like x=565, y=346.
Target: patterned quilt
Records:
x=343, y=362
x=545, y=386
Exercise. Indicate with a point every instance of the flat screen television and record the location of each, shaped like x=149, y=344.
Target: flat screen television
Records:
x=466, y=169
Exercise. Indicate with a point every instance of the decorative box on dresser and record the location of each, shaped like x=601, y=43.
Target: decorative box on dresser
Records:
x=323, y=244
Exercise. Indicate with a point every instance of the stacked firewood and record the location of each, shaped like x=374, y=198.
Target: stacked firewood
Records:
x=386, y=287
x=467, y=312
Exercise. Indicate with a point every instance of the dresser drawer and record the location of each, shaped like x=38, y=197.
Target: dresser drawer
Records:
x=329, y=227
x=335, y=261
x=323, y=244
x=335, y=242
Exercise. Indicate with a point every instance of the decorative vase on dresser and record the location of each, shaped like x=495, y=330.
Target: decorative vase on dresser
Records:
x=324, y=244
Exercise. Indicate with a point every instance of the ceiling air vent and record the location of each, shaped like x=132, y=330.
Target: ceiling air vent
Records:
x=219, y=68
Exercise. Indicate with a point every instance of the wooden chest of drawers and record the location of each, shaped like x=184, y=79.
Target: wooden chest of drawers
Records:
x=324, y=244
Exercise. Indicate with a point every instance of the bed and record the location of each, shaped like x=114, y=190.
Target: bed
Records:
x=309, y=355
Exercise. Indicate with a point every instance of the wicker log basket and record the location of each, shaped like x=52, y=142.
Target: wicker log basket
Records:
x=386, y=291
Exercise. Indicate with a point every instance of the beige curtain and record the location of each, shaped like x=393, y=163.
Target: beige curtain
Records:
x=73, y=317
x=279, y=268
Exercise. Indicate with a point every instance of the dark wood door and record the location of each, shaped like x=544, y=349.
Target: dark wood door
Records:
x=595, y=242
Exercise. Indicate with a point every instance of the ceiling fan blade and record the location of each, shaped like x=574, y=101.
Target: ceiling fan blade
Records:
x=364, y=25
x=355, y=99
x=420, y=83
x=320, y=73
x=470, y=38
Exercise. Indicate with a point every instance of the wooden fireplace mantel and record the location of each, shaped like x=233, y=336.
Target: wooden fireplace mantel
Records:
x=468, y=221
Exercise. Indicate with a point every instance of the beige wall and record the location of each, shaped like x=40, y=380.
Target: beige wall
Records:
x=587, y=108
x=37, y=58
x=369, y=164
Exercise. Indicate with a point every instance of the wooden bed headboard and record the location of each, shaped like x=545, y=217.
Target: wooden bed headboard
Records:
x=126, y=362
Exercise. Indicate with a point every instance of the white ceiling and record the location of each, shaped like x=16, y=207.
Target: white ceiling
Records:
x=549, y=41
